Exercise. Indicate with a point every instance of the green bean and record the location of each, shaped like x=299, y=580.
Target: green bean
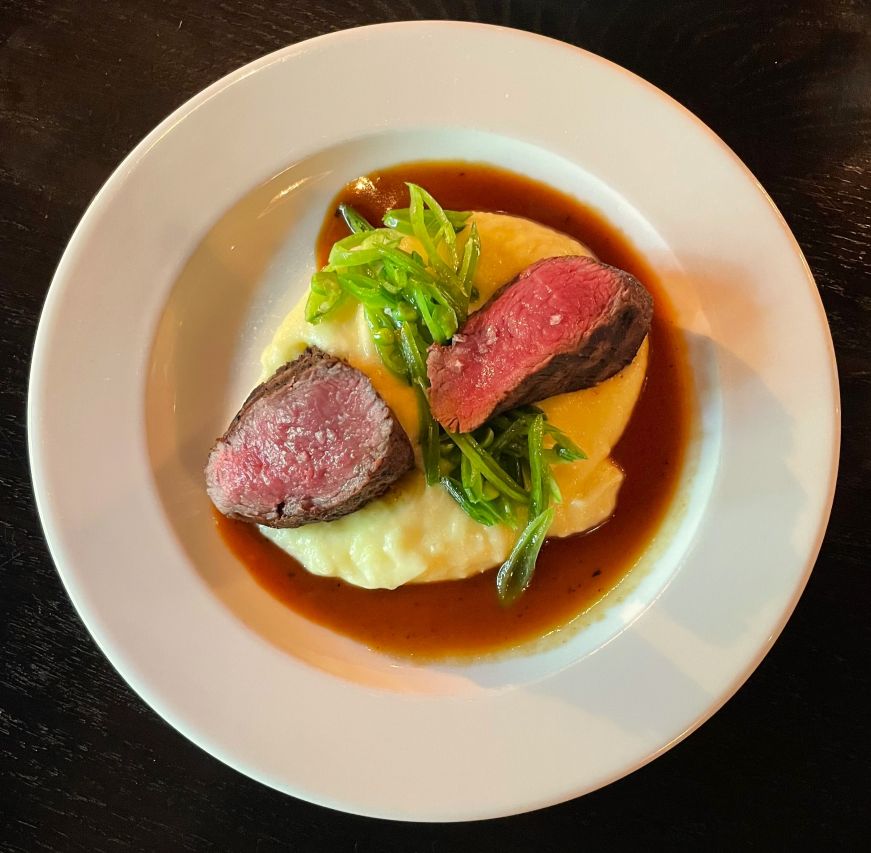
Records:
x=355, y=222
x=515, y=574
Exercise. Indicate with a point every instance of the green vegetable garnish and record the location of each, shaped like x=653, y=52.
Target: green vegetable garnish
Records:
x=353, y=220
x=482, y=462
x=400, y=220
x=535, y=443
x=325, y=294
x=515, y=573
x=499, y=473
x=429, y=438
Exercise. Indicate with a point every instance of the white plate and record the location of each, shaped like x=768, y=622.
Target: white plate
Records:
x=132, y=378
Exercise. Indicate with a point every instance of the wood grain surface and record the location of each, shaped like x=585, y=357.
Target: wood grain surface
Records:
x=87, y=766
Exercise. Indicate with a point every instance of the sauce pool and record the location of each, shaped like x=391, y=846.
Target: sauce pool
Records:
x=464, y=618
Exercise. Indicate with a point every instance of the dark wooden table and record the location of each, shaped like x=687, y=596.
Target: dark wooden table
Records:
x=86, y=765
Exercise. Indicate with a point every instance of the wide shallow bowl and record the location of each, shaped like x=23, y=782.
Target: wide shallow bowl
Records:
x=139, y=364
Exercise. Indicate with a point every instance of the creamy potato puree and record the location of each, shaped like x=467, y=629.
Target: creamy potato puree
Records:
x=417, y=533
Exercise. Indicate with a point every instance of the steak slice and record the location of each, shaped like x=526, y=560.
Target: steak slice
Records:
x=563, y=324
x=313, y=443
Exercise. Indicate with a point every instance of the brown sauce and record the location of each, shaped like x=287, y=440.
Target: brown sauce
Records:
x=463, y=618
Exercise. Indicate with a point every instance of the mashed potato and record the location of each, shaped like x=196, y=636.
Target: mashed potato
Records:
x=415, y=533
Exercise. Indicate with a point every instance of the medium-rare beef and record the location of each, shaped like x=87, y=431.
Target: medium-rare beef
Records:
x=563, y=324
x=313, y=443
